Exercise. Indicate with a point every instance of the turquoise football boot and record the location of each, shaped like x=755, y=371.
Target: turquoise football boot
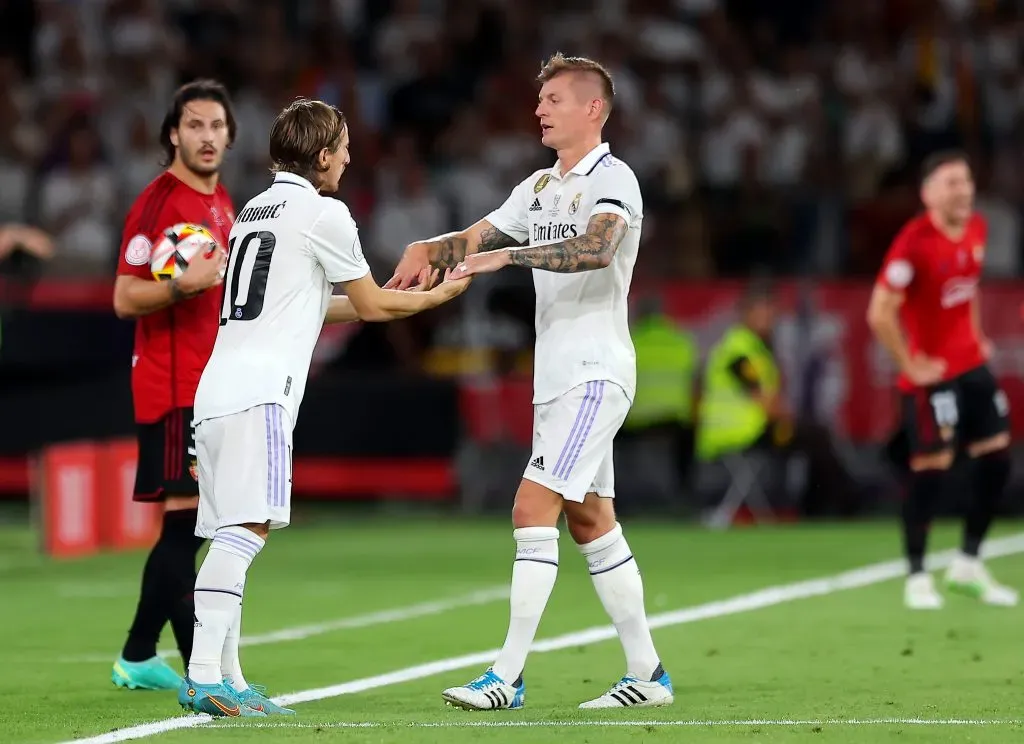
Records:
x=255, y=697
x=216, y=700
x=152, y=674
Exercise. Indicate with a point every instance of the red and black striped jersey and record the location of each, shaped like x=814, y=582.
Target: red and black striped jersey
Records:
x=172, y=345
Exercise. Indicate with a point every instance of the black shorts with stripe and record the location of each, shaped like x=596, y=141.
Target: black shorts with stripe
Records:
x=167, y=458
x=967, y=409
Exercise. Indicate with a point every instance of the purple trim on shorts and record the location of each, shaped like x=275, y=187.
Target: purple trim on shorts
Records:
x=586, y=432
x=567, y=447
x=277, y=456
x=282, y=458
x=580, y=429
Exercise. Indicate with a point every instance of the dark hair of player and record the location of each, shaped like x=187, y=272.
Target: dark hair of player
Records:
x=197, y=90
x=940, y=158
x=300, y=133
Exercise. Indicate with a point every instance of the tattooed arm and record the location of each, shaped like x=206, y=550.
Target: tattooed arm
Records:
x=446, y=252
x=592, y=250
x=449, y=250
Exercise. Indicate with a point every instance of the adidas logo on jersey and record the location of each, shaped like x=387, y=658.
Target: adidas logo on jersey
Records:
x=535, y=207
x=538, y=462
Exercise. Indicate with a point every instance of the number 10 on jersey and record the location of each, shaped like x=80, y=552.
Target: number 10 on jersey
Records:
x=246, y=280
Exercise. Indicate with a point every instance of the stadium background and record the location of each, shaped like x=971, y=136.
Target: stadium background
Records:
x=775, y=139
x=780, y=142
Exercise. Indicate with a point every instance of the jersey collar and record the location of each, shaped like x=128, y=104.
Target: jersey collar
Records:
x=587, y=164
x=294, y=180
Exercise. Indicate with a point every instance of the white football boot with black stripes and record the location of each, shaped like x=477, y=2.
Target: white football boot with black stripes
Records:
x=487, y=692
x=630, y=692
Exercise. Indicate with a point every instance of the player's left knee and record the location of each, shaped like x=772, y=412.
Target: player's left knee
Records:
x=590, y=520
x=261, y=529
x=180, y=503
x=535, y=506
x=991, y=446
x=993, y=469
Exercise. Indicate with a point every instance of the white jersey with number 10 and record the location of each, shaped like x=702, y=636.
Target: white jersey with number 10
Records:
x=288, y=247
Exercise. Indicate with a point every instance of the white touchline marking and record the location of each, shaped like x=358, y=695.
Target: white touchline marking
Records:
x=860, y=577
x=370, y=619
x=652, y=723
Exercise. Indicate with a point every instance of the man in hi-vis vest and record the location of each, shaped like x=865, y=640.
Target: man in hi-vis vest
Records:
x=742, y=406
x=667, y=365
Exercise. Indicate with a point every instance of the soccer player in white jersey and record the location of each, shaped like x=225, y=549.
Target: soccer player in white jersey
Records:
x=580, y=221
x=289, y=246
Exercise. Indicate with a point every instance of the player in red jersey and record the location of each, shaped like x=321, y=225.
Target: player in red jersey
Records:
x=176, y=324
x=928, y=289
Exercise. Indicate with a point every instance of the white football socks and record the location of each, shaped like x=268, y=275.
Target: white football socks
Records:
x=533, y=577
x=618, y=583
x=230, y=666
x=218, y=596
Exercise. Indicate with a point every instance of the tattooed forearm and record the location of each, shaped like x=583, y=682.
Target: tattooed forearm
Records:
x=493, y=239
x=592, y=250
x=447, y=251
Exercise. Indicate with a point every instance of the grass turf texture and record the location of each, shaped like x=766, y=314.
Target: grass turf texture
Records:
x=853, y=655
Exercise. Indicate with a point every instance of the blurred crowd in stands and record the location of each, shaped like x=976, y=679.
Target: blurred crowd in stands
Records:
x=780, y=135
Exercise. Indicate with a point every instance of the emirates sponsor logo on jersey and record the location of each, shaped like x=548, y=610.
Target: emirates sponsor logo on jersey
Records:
x=553, y=231
x=957, y=291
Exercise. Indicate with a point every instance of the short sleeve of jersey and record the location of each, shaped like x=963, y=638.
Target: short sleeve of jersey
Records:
x=335, y=241
x=512, y=217
x=616, y=191
x=898, y=269
x=155, y=210
x=980, y=228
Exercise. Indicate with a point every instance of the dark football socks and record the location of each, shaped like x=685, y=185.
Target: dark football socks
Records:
x=989, y=475
x=918, y=508
x=167, y=582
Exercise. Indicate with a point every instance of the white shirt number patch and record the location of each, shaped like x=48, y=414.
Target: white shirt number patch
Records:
x=138, y=251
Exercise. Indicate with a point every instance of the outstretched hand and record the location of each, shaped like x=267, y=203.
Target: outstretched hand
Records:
x=412, y=270
x=424, y=284
x=482, y=263
x=450, y=287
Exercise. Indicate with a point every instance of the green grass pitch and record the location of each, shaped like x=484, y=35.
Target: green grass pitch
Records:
x=843, y=666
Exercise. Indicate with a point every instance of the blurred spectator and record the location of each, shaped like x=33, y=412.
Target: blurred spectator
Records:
x=77, y=204
x=754, y=129
x=414, y=213
x=140, y=159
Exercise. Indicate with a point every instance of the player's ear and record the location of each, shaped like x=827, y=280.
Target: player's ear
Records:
x=175, y=139
x=323, y=160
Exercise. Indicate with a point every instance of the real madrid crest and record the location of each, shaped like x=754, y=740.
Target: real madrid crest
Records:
x=541, y=183
x=575, y=204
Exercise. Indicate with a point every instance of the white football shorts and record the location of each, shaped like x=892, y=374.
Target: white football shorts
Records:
x=572, y=440
x=245, y=469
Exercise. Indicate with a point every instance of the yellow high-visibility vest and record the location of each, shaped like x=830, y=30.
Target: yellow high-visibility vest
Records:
x=729, y=420
x=666, y=361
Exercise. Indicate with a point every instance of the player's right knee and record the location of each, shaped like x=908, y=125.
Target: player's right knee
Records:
x=933, y=461
x=536, y=506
